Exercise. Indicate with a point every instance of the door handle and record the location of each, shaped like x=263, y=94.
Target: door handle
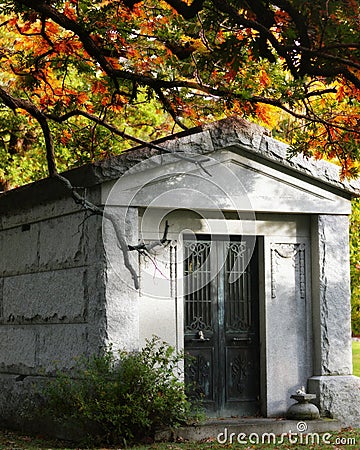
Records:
x=201, y=337
x=242, y=339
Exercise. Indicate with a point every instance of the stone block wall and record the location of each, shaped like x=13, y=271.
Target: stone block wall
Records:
x=50, y=275
x=52, y=291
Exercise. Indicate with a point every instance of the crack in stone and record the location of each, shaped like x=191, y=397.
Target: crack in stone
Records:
x=324, y=311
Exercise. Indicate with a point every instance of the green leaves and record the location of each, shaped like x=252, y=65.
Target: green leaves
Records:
x=122, y=397
x=355, y=266
x=270, y=63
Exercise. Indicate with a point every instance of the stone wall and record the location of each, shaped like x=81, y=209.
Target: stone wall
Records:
x=51, y=295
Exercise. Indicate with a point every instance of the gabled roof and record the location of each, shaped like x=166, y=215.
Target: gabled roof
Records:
x=233, y=133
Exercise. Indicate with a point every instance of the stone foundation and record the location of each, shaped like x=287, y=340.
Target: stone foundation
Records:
x=338, y=397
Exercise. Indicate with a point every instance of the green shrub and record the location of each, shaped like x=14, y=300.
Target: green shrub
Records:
x=124, y=397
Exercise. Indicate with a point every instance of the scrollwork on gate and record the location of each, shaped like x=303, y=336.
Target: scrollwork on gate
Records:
x=198, y=325
x=241, y=368
x=198, y=377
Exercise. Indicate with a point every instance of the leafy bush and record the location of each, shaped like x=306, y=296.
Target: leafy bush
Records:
x=124, y=397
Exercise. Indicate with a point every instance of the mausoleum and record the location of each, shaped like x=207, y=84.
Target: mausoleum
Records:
x=241, y=257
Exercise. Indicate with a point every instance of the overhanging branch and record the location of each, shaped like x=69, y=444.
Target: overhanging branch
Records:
x=146, y=248
x=15, y=103
x=89, y=206
x=77, y=112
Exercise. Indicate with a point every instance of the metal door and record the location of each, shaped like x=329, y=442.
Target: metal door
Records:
x=221, y=321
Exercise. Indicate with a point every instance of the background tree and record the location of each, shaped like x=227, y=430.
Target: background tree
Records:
x=83, y=75
x=80, y=64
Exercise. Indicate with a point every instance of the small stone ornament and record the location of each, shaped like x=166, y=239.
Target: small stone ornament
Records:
x=303, y=409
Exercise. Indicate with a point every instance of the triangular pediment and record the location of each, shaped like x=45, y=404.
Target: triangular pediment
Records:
x=268, y=178
x=227, y=181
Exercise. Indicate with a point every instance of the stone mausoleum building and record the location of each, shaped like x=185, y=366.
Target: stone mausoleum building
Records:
x=252, y=278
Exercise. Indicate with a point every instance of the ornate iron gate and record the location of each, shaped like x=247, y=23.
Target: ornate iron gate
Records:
x=222, y=324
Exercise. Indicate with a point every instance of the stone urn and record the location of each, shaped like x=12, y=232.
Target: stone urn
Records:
x=303, y=409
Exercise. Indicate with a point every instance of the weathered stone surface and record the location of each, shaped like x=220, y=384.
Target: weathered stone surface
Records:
x=18, y=348
x=19, y=402
x=197, y=142
x=60, y=346
x=33, y=349
x=38, y=201
x=122, y=316
x=14, y=398
x=234, y=131
x=1, y=298
x=61, y=241
x=95, y=289
x=256, y=140
x=331, y=295
x=338, y=397
x=19, y=214
x=19, y=249
x=57, y=296
x=92, y=241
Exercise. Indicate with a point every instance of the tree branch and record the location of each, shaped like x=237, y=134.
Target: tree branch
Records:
x=169, y=108
x=187, y=11
x=224, y=6
x=328, y=56
x=61, y=19
x=88, y=206
x=122, y=134
x=142, y=247
x=15, y=103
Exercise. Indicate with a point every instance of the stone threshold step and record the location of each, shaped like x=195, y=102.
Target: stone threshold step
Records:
x=245, y=428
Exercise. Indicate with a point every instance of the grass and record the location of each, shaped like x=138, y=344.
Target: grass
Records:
x=344, y=440
x=356, y=358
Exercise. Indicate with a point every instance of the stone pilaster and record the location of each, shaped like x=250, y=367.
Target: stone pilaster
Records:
x=338, y=393
x=331, y=296
x=122, y=298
